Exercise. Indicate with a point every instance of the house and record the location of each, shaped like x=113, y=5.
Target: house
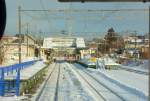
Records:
x=10, y=48
x=139, y=43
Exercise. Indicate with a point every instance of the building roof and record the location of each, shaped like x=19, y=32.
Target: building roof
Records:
x=71, y=42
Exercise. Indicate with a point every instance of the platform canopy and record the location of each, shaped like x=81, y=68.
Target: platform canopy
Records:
x=64, y=42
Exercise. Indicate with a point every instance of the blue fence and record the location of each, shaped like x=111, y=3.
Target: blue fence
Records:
x=13, y=85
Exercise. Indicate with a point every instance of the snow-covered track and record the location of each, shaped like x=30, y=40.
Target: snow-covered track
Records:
x=42, y=89
x=135, y=71
x=48, y=92
x=105, y=86
x=95, y=88
x=128, y=92
x=57, y=85
x=104, y=99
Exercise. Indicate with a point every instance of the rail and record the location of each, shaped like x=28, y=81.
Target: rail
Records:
x=57, y=86
x=98, y=93
x=44, y=85
x=135, y=71
x=105, y=99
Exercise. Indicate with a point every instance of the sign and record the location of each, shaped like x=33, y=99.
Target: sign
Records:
x=93, y=51
x=93, y=59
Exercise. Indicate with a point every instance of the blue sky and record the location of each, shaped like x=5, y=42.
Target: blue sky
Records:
x=88, y=25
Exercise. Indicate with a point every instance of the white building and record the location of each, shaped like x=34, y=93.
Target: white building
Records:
x=63, y=46
x=67, y=42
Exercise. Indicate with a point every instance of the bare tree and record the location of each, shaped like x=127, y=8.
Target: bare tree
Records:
x=111, y=38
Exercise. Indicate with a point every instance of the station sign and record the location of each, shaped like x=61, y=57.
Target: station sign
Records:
x=93, y=59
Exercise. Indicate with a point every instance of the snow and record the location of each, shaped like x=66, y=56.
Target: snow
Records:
x=102, y=62
x=69, y=88
x=76, y=86
x=72, y=87
x=133, y=80
x=139, y=65
x=136, y=65
x=39, y=91
x=14, y=98
x=28, y=72
x=130, y=81
x=121, y=83
x=85, y=85
x=107, y=61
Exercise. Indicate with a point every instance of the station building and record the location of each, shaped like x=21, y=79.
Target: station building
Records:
x=65, y=47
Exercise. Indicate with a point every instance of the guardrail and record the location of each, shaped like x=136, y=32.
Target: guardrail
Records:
x=15, y=67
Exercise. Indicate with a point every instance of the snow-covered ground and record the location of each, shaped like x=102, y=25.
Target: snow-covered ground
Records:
x=69, y=87
x=140, y=66
x=120, y=84
x=132, y=86
x=130, y=79
x=27, y=72
x=14, y=98
x=98, y=91
x=73, y=85
x=48, y=93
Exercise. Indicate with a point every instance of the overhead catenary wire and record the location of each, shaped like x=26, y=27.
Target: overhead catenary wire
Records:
x=79, y=11
x=85, y=10
x=43, y=7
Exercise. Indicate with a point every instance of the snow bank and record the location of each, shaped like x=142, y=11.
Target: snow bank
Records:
x=143, y=67
x=126, y=87
x=83, y=82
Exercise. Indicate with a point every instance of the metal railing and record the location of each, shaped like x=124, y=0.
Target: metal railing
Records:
x=10, y=69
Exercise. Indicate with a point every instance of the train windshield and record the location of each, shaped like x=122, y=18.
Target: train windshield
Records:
x=75, y=51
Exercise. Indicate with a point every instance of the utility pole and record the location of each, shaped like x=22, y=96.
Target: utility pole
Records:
x=149, y=49
x=105, y=46
x=39, y=43
x=27, y=39
x=135, y=39
x=135, y=50
x=20, y=39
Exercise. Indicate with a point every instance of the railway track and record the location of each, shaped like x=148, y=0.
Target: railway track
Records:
x=117, y=96
x=104, y=99
x=135, y=71
x=57, y=85
x=44, y=88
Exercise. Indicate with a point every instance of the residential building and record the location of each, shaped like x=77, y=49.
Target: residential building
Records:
x=11, y=48
x=134, y=44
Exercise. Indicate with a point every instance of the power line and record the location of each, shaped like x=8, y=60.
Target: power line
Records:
x=83, y=10
x=73, y=10
x=43, y=7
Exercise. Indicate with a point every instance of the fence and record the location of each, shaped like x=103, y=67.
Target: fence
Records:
x=12, y=85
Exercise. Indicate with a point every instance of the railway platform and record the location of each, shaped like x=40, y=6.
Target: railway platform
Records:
x=18, y=79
